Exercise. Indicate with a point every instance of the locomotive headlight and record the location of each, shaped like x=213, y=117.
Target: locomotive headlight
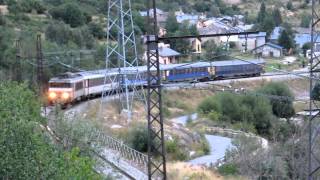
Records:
x=65, y=95
x=52, y=95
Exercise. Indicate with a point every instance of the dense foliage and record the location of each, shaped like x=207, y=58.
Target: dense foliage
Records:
x=233, y=108
x=282, y=101
x=26, y=150
x=138, y=138
x=71, y=14
x=257, y=109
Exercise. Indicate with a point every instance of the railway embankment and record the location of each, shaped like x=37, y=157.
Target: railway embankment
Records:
x=179, y=101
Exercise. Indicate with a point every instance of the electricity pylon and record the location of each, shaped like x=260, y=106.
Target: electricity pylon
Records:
x=122, y=75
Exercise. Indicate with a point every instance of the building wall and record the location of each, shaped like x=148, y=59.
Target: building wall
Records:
x=167, y=60
x=252, y=43
x=268, y=51
x=196, y=46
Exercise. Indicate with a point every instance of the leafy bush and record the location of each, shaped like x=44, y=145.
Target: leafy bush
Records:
x=289, y=5
x=62, y=34
x=205, y=146
x=26, y=6
x=171, y=146
x=96, y=30
x=71, y=14
x=235, y=109
x=282, y=108
x=28, y=152
x=305, y=20
x=315, y=94
x=228, y=169
x=138, y=138
x=3, y=20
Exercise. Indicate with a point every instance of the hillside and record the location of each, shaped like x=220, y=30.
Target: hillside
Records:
x=67, y=25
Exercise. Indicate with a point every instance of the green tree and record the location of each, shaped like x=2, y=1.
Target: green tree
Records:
x=28, y=151
x=139, y=21
x=252, y=110
x=58, y=32
x=172, y=25
x=305, y=20
x=286, y=40
x=71, y=14
x=96, y=30
x=267, y=25
x=183, y=45
x=262, y=13
x=277, y=17
x=289, y=5
x=214, y=51
x=315, y=93
x=305, y=48
x=3, y=20
x=281, y=107
x=138, y=138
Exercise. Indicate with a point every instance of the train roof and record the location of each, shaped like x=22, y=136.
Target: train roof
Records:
x=237, y=62
x=71, y=77
x=219, y=63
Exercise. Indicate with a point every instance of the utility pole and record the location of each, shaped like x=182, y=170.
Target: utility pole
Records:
x=314, y=121
x=156, y=146
x=18, y=69
x=40, y=65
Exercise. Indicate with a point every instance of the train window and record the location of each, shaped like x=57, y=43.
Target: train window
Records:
x=60, y=85
x=79, y=85
x=96, y=82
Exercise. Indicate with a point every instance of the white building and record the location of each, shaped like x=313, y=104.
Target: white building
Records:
x=252, y=41
x=166, y=54
x=269, y=50
x=161, y=15
x=214, y=26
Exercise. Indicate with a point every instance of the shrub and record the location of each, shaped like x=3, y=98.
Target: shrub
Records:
x=62, y=34
x=205, y=147
x=96, y=30
x=232, y=45
x=228, y=169
x=181, y=156
x=282, y=108
x=26, y=6
x=3, y=20
x=289, y=5
x=305, y=20
x=315, y=94
x=71, y=14
x=235, y=109
x=171, y=146
x=138, y=138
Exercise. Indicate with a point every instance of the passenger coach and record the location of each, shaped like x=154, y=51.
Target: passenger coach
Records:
x=70, y=87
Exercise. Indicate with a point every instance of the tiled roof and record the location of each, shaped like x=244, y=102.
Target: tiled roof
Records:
x=271, y=45
x=187, y=17
x=260, y=34
x=167, y=52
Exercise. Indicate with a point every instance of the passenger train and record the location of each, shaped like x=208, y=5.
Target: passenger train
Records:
x=72, y=87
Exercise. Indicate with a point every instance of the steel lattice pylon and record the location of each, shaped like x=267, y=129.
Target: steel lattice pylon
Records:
x=40, y=65
x=156, y=148
x=314, y=120
x=121, y=56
